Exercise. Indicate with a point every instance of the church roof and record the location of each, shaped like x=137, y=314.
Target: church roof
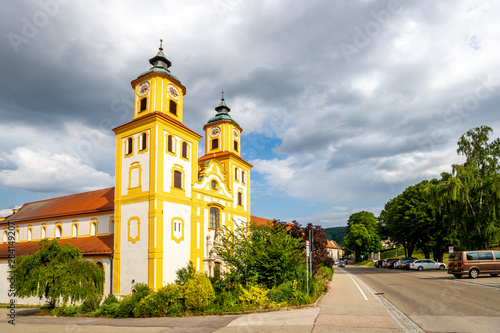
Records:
x=81, y=203
x=260, y=220
x=90, y=246
x=222, y=113
x=160, y=65
x=220, y=154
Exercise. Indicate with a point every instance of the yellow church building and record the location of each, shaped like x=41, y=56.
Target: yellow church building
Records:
x=167, y=203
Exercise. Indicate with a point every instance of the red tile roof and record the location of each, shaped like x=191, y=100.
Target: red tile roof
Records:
x=332, y=245
x=81, y=203
x=260, y=220
x=223, y=153
x=90, y=246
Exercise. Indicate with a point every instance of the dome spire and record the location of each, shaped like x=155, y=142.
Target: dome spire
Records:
x=160, y=60
x=222, y=107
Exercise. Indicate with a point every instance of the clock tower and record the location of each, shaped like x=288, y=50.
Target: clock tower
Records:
x=156, y=165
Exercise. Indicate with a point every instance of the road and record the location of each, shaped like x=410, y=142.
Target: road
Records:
x=436, y=301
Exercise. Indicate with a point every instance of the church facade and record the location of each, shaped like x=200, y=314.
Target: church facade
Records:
x=167, y=203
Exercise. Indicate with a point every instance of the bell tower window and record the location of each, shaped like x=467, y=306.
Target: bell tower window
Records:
x=215, y=143
x=144, y=103
x=173, y=107
x=235, y=145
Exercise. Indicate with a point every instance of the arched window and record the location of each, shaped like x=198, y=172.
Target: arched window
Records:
x=170, y=143
x=30, y=234
x=240, y=198
x=214, y=218
x=43, y=232
x=144, y=104
x=185, y=150
x=5, y=236
x=58, y=231
x=177, y=179
x=75, y=230
x=144, y=141
x=18, y=236
x=93, y=229
x=236, y=174
x=235, y=145
x=130, y=146
x=243, y=177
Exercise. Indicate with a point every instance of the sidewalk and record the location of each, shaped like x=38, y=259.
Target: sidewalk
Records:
x=343, y=309
x=348, y=307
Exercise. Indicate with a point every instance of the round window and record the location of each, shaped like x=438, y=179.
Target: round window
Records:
x=214, y=184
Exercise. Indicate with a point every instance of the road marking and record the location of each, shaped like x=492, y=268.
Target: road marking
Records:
x=403, y=320
x=361, y=291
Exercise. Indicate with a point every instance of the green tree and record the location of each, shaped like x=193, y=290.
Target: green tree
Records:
x=56, y=271
x=362, y=234
x=265, y=254
x=475, y=189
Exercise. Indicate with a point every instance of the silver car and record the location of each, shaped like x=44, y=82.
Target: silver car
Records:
x=422, y=264
x=342, y=263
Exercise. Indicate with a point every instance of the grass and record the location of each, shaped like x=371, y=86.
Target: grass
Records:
x=365, y=263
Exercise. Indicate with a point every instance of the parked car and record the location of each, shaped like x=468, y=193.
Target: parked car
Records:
x=422, y=264
x=390, y=263
x=378, y=263
x=406, y=263
x=342, y=263
x=384, y=263
x=473, y=263
x=337, y=262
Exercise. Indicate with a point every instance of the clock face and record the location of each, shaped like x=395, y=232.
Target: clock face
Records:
x=173, y=91
x=235, y=134
x=143, y=88
x=215, y=131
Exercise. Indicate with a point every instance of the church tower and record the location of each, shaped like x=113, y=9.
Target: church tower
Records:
x=156, y=165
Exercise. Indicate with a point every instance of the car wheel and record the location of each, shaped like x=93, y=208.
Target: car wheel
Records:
x=441, y=267
x=473, y=273
x=420, y=268
x=494, y=275
x=458, y=276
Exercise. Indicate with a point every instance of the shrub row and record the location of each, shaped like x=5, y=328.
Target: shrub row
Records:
x=197, y=294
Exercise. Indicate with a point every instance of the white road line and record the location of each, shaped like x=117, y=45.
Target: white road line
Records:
x=361, y=291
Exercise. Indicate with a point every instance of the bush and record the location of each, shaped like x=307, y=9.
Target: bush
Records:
x=327, y=271
x=66, y=311
x=198, y=292
x=289, y=292
x=129, y=302
x=186, y=273
x=110, y=299
x=167, y=300
x=256, y=297
x=107, y=309
x=90, y=304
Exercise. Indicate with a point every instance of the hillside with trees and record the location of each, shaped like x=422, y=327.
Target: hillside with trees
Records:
x=336, y=233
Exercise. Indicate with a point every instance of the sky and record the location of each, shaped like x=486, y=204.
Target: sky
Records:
x=343, y=104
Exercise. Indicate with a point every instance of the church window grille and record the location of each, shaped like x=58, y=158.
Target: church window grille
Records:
x=173, y=107
x=144, y=103
x=170, y=143
x=177, y=179
x=214, y=218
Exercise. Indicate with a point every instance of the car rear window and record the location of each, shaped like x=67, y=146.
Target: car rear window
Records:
x=455, y=257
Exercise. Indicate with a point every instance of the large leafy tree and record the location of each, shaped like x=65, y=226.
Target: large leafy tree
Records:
x=57, y=272
x=265, y=254
x=475, y=189
x=362, y=236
